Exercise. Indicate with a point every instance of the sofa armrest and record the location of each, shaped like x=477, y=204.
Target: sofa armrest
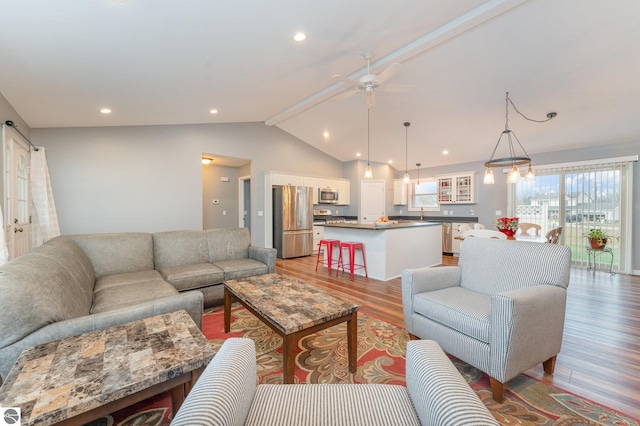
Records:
x=437, y=390
x=416, y=281
x=532, y=319
x=223, y=394
x=264, y=255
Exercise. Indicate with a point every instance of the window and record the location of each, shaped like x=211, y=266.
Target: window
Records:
x=580, y=197
x=423, y=195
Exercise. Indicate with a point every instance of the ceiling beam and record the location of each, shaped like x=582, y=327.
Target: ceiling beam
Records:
x=461, y=24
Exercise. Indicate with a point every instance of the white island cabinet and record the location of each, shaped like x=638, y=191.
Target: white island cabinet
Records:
x=392, y=249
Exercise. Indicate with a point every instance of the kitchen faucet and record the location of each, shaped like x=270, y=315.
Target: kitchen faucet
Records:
x=421, y=213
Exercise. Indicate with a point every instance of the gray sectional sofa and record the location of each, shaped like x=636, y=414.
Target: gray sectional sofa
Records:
x=79, y=283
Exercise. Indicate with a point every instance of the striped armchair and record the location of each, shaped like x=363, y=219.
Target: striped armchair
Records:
x=501, y=309
x=226, y=394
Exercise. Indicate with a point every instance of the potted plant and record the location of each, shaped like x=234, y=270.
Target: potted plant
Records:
x=597, y=238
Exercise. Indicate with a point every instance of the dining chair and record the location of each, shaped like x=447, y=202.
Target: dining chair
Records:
x=525, y=227
x=478, y=226
x=554, y=235
x=484, y=233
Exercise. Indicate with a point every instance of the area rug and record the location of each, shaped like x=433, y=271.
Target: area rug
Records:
x=322, y=358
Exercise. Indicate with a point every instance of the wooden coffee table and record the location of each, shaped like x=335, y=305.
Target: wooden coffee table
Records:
x=292, y=309
x=79, y=379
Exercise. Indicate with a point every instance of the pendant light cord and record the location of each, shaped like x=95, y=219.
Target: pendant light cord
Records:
x=509, y=101
x=406, y=147
x=368, y=127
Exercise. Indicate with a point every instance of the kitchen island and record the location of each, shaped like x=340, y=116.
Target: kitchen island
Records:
x=391, y=249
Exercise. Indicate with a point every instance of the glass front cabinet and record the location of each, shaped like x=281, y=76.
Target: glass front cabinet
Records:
x=457, y=188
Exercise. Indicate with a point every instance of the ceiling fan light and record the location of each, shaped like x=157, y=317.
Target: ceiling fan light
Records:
x=368, y=173
x=406, y=178
x=489, y=179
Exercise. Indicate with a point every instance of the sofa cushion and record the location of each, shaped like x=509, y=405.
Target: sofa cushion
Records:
x=117, y=253
x=189, y=277
x=42, y=287
x=179, y=248
x=460, y=309
x=241, y=268
x=332, y=404
x=111, y=297
x=228, y=244
x=110, y=281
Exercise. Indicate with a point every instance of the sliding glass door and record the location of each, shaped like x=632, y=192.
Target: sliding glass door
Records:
x=578, y=198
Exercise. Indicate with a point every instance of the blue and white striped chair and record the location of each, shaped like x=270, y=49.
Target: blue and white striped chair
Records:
x=436, y=394
x=500, y=310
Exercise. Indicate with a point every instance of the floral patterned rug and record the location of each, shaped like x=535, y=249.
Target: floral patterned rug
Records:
x=322, y=358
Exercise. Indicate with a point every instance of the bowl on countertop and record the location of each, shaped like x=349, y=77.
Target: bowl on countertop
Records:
x=382, y=224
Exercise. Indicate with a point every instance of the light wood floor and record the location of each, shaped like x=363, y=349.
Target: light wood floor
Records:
x=600, y=357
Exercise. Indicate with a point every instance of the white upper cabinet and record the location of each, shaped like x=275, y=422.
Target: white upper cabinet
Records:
x=343, y=186
x=459, y=188
x=400, y=195
x=281, y=179
x=344, y=192
x=313, y=183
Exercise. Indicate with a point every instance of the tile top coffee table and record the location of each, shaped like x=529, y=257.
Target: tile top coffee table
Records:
x=82, y=378
x=292, y=309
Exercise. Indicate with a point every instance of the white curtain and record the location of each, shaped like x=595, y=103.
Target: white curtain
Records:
x=4, y=250
x=44, y=219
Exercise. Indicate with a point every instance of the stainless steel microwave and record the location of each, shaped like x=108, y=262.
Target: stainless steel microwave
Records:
x=327, y=196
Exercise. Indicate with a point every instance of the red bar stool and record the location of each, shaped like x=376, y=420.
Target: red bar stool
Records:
x=352, y=246
x=330, y=244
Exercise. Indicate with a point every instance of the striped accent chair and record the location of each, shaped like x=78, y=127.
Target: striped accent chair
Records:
x=436, y=394
x=500, y=310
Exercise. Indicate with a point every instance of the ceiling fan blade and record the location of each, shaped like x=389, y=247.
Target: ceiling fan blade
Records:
x=347, y=80
x=396, y=88
x=389, y=72
x=342, y=96
x=371, y=99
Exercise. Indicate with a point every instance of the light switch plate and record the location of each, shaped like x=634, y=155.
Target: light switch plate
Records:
x=498, y=212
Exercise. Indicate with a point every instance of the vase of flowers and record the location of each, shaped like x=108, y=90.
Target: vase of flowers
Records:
x=507, y=225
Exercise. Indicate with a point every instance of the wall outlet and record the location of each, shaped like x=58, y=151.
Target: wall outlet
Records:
x=216, y=201
x=224, y=179
x=224, y=212
x=400, y=211
x=445, y=212
x=260, y=213
x=498, y=212
x=471, y=212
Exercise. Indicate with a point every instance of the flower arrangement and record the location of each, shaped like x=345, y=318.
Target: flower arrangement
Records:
x=507, y=225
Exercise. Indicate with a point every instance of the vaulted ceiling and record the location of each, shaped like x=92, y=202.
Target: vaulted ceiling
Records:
x=155, y=62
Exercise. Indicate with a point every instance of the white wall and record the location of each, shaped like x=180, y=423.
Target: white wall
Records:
x=149, y=178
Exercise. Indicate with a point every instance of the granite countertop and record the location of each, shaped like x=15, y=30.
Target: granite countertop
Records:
x=394, y=225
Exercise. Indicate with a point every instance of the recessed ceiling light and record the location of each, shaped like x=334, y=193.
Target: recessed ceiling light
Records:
x=207, y=161
x=105, y=111
x=213, y=111
x=390, y=161
x=326, y=134
x=358, y=154
x=445, y=152
x=300, y=36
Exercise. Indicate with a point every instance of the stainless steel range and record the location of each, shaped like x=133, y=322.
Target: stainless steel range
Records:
x=323, y=216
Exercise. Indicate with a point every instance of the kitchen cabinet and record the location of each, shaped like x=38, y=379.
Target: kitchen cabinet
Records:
x=281, y=179
x=344, y=192
x=400, y=194
x=457, y=188
x=318, y=234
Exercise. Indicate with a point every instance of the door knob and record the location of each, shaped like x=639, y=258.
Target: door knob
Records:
x=17, y=230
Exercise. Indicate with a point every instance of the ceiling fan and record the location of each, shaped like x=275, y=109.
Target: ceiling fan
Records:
x=370, y=83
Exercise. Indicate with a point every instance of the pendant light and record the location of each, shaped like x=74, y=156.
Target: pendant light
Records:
x=368, y=173
x=418, y=166
x=406, y=178
x=514, y=159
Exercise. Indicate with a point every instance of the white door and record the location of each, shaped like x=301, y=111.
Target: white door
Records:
x=17, y=190
x=372, y=200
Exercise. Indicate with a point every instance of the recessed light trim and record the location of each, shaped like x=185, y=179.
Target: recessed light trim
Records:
x=326, y=134
x=213, y=111
x=105, y=110
x=299, y=36
x=390, y=161
x=358, y=154
x=206, y=161
x=445, y=152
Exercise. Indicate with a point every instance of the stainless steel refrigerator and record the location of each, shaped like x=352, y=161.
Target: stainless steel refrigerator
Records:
x=292, y=221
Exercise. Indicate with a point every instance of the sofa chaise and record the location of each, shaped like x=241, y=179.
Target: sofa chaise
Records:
x=80, y=283
x=436, y=394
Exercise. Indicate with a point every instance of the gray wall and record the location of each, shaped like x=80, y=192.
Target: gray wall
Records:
x=149, y=178
x=225, y=213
